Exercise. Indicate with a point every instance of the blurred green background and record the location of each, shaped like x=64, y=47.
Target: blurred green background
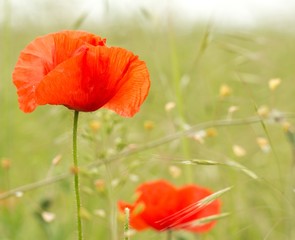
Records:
x=247, y=126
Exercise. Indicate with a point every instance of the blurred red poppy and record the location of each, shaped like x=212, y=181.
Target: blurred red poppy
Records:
x=162, y=206
x=76, y=69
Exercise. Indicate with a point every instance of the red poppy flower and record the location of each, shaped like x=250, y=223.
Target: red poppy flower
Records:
x=76, y=69
x=162, y=206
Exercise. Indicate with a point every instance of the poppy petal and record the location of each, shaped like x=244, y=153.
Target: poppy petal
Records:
x=34, y=62
x=66, y=85
x=189, y=196
x=68, y=42
x=158, y=208
x=41, y=56
x=109, y=77
x=123, y=75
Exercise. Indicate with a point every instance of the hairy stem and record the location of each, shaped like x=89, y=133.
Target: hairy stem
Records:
x=76, y=176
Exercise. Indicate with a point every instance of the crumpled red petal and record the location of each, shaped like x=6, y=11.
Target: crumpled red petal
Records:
x=97, y=77
x=121, y=74
x=64, y=85
x=41, y=56
x=157, y=207
x=190, y=195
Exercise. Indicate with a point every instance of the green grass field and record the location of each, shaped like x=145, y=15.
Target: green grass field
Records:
x=250, y=137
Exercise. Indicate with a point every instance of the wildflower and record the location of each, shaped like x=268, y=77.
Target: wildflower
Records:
x=232, y=109
x=148, y=125
x=115, y=182
x=100, y=213
x=76, y=69
x=263, y=111
x=200, y=136
x=95, y=125
x=56, y=160
x=239, y=151
x=211, y=132
x=99, y=185
x=162, y=206
x=133, y=177
x=174, y=171
x=224, y=91
x=19, y=194
x=48, y=216
x=274, y=83
x=287, y=126
x=263, y=144
x=169, y=106
x=5, y=163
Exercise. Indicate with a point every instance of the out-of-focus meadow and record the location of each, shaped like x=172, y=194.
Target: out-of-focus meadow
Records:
x=220, y=113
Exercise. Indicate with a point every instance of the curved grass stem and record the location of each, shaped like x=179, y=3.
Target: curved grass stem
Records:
x=147, y=146
x=76, y=175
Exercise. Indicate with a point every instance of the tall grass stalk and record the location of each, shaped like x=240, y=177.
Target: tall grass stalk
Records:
x=5, y=63
x=178, y=91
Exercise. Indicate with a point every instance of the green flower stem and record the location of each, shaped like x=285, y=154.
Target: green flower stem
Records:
x=178, y=90
x=76, y=175
x=169, y=234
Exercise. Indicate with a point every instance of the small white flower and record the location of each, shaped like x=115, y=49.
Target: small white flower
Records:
x=169, y=106
x=48, y=216
x=239, y=151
